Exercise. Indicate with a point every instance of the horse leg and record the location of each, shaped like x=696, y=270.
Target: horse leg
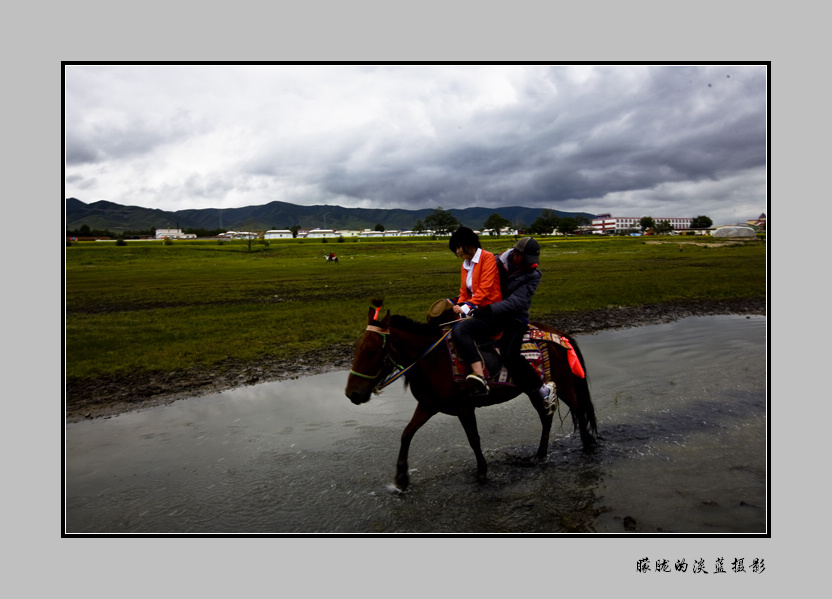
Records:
x=545, y=422
x=580, y=418
x=420, y=416
x=469, y=423
x=587, y=439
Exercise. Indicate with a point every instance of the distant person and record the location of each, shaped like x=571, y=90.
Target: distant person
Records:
x=479, y=287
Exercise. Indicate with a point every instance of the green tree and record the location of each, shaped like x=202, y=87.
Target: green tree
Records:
x=199, y=232
x=441, y=222
x=496, y=223
x=646, y=222
x=568, y=225
x=419, y=227
x=545, y=224
x=379, y=227
x=701, y=222
x=663, y=227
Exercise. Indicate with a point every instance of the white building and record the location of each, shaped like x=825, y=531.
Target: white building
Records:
x=278, y=234
x=502, y=233
x=417, y=234
x=609, y=225
x=371, y=233
x=238, y=235
x=317, y=233
x=169, y=233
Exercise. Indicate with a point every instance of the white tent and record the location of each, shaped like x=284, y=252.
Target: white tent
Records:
x=734, y=232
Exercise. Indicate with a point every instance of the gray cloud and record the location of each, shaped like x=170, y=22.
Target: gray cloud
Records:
x=664, y=139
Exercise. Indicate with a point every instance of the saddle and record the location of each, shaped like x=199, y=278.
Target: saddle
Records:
x=531, y=349
x=534, y=348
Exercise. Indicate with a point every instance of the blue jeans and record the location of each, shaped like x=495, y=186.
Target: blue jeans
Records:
x=470, y=331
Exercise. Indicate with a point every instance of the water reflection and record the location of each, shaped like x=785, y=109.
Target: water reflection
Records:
x=681, y=411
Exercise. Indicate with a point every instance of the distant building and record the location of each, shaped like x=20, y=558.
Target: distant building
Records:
x=278, y=234
x=759, y=223
x=606, y=224
x=317, y=233
x=371, y=233
x=503, y=232
x=168, y=233
x=238, y=235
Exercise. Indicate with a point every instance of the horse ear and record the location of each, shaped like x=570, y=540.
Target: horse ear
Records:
x=370, y=315
x=386, y=322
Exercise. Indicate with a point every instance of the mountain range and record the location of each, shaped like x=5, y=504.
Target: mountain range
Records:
x=104, y=215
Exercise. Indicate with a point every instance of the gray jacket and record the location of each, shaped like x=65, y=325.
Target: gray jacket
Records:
x=518, y=287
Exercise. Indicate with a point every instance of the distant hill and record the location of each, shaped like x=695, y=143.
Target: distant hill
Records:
x=277, y=215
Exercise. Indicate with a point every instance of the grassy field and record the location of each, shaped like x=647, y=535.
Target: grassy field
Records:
x=156, y=307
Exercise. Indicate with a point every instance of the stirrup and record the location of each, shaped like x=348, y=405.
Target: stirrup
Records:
x=476, y=385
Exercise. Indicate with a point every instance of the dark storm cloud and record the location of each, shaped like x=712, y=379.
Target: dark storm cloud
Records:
x=579, y=143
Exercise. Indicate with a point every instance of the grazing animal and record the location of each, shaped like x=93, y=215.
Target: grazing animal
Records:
x=415, y=350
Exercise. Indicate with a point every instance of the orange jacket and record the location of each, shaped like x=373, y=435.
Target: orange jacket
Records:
x=485, y=282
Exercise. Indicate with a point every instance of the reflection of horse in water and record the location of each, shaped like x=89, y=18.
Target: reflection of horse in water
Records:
x=331, y=258
x=397, y=340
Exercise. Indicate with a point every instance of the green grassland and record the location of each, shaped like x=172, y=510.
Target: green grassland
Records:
x=150, y=306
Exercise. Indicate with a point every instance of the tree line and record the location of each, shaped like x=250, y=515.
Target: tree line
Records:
x=86, y=231
x=441, y=222
x=663, y=227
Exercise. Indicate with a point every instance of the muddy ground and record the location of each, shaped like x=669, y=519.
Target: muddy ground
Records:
x=105, y=397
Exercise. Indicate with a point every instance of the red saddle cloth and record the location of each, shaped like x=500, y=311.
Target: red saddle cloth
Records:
x=571, y=354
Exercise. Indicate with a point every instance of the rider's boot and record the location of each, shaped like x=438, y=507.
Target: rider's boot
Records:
x=477, y=385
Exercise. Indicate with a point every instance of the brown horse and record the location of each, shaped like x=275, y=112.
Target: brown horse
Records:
x=395, y=346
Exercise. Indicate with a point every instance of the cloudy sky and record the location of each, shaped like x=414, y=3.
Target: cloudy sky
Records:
x=663, y=141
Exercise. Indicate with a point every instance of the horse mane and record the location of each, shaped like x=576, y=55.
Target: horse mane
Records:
x=417, y=328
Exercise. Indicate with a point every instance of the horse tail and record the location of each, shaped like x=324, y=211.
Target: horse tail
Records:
x=581, y=386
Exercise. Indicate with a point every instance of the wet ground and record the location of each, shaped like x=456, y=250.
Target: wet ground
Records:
x=682, y=416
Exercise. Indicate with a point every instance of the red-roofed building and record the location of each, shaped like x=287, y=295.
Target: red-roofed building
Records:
x=760, y=223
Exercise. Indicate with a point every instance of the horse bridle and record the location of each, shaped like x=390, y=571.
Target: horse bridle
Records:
x=385, y=362
x=388, y=360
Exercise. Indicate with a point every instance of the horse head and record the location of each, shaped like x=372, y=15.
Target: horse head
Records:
x=370, y=364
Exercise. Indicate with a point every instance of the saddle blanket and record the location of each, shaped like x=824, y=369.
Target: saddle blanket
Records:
x=534, y=348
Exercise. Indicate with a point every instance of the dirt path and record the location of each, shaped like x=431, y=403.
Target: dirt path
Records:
x=105, y=397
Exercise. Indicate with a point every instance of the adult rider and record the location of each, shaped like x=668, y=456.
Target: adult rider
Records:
x=519, y=279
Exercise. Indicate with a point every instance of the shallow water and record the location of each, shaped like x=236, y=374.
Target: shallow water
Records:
x=682, y=418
